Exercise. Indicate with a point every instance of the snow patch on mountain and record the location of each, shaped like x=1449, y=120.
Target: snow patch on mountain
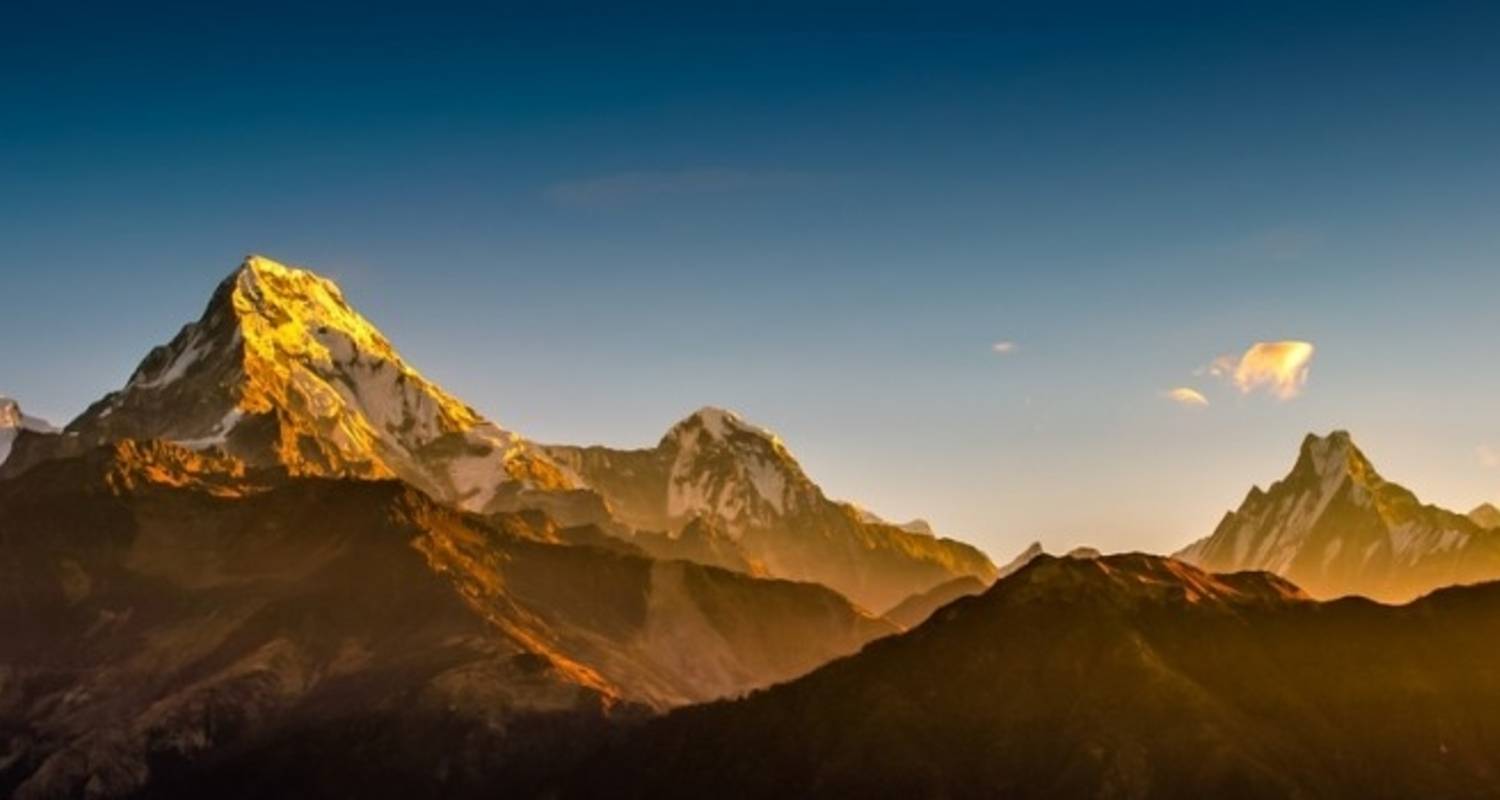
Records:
x=731, y=470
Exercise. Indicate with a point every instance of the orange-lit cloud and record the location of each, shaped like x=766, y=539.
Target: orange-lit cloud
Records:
x=1187, y=397
x=1004, y=347
x=1277, y=367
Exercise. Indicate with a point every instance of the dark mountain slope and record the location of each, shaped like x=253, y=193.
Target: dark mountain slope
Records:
x=164, y=610
x=1120, y=677
x=915, y=610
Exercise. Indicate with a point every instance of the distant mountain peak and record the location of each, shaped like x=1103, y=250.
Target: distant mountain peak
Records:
x=730, y=469
x=13, y=421
x=1334, y=526
x=11, y=416
x=1486, y=515
x=713, y=465
x=1035, y=550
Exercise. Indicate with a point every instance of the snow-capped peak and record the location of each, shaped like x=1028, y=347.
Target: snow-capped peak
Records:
x=281, y=368
x=732, y=470
x=1334, y=526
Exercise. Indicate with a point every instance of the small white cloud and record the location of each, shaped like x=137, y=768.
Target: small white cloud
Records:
x=1005, y=347
x=1278, y=367
x=1489, y=457
x=1183, y=395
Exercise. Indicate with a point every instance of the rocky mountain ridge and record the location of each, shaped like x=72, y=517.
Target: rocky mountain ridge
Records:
x=281, y=372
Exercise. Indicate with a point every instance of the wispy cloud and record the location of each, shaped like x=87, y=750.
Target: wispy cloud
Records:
x=1005, y=347
x=1277, y=367
x=1183, y=395
x=1489, y=457
x=623, y=188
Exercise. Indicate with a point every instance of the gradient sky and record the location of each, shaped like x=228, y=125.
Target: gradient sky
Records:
x=589, y=224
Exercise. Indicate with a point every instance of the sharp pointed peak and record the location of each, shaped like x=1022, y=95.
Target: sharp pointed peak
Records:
x=259, y=274
x=1333, y=452
x=1032, y=552
x=255, y=262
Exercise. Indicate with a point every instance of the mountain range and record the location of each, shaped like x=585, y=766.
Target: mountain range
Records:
x=280, y=371
x=281, y=562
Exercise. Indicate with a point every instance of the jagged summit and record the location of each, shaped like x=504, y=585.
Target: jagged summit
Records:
x=1332, y=458
x=1334, y=526
x=281, y=370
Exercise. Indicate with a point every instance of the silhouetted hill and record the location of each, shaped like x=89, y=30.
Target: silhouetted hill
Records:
x=1124, y=676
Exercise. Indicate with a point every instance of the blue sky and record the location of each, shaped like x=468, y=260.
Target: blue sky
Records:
x=588, y=223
